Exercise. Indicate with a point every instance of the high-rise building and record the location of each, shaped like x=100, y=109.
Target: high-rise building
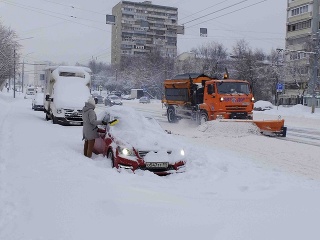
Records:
x=301, y=18
x=141, y=27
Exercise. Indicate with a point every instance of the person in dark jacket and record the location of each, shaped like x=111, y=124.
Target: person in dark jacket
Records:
x=90, y=126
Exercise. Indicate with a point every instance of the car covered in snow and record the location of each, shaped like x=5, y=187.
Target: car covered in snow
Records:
x=144, y=99
x=262, y=105
x=111, y=100
x=138, y=142
x=37, y=102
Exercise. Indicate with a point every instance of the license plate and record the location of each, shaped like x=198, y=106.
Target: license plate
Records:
x=157, y=164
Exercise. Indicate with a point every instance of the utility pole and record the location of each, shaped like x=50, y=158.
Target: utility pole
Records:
x=22, y=74
x=315, y=32
x=14, y=72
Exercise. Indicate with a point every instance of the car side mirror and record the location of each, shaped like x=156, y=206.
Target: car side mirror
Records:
x=51, y=99
x=47, y=97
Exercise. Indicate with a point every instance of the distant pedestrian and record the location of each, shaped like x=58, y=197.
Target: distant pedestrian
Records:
x=90, y=126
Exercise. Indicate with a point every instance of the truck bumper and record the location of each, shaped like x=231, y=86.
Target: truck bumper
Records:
x=69, y=121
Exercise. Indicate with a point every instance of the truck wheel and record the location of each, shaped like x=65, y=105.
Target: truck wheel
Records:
x=203, y=118
x=54, y=120
x=171, y=115
x=47, y=117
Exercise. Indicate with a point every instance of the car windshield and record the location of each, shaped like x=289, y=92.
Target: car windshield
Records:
x=233, y=87
x=114, y=97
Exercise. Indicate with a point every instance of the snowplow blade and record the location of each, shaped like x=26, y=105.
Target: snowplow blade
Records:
x=266, y=127
x=272, y=127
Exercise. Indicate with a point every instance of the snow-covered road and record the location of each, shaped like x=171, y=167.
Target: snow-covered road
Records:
x=235, y=187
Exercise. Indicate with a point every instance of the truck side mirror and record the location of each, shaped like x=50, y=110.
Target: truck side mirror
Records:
x=210, y=89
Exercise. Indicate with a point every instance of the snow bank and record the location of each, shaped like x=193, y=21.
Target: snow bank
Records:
x=228, y=129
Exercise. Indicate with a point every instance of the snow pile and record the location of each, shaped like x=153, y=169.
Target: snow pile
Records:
x=262, y=105
x=70, y=92
x=71, y=87
x=229, y=128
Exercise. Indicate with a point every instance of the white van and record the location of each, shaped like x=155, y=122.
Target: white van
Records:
x=30, y=92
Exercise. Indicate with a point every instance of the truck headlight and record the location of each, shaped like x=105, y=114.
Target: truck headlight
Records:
x=221, y=99
x=252, y=99
x=59, y=111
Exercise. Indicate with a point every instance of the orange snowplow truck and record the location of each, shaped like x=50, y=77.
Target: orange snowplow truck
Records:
x=202, y=98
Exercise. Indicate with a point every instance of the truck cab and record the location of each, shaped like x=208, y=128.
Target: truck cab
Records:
x=227, y=99
x=67, y=88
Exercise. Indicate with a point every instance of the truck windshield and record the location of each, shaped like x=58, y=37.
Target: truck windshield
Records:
x=233, y=87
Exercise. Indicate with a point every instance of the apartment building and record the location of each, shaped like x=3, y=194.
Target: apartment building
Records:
x=141, y=27
x=300, y=25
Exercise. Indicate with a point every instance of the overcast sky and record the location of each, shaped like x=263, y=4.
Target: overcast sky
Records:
x=58, y=37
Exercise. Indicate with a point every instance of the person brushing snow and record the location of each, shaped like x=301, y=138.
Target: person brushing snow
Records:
x=90, y=126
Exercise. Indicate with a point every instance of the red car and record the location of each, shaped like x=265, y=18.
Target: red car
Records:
x=138, y=142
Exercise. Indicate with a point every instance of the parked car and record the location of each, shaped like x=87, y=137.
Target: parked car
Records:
x=30, y=92
x=138, y=142
x=117, y=93
x=37, y=102
x=98, y=99
x=262, y=105
x=144, y=99
x=112, y=100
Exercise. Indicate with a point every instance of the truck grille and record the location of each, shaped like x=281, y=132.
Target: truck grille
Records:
x=73, y=114
x=236, y=108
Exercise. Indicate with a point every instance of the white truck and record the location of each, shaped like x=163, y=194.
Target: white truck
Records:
x=136, y=93
x=66, y=90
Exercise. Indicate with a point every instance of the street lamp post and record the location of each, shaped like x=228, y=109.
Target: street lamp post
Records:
x=22, y=78
x=14, y=72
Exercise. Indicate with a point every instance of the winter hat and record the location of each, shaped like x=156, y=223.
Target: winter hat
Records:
x=91, y=101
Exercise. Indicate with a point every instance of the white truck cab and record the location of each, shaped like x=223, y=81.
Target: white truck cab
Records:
x=67, y=88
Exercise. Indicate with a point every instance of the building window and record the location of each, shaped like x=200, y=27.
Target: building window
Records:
x=298, y=55
x=298, y=26
x=299, y=10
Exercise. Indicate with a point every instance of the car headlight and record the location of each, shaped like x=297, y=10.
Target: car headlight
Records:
x=126, y=151
x=182, y=152
x=59, y=111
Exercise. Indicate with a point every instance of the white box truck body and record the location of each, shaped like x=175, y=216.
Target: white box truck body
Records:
x=136, y=93
x=66, y=90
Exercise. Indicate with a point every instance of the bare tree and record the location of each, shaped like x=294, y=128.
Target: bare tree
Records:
x=211, y=57
x=8, y=53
